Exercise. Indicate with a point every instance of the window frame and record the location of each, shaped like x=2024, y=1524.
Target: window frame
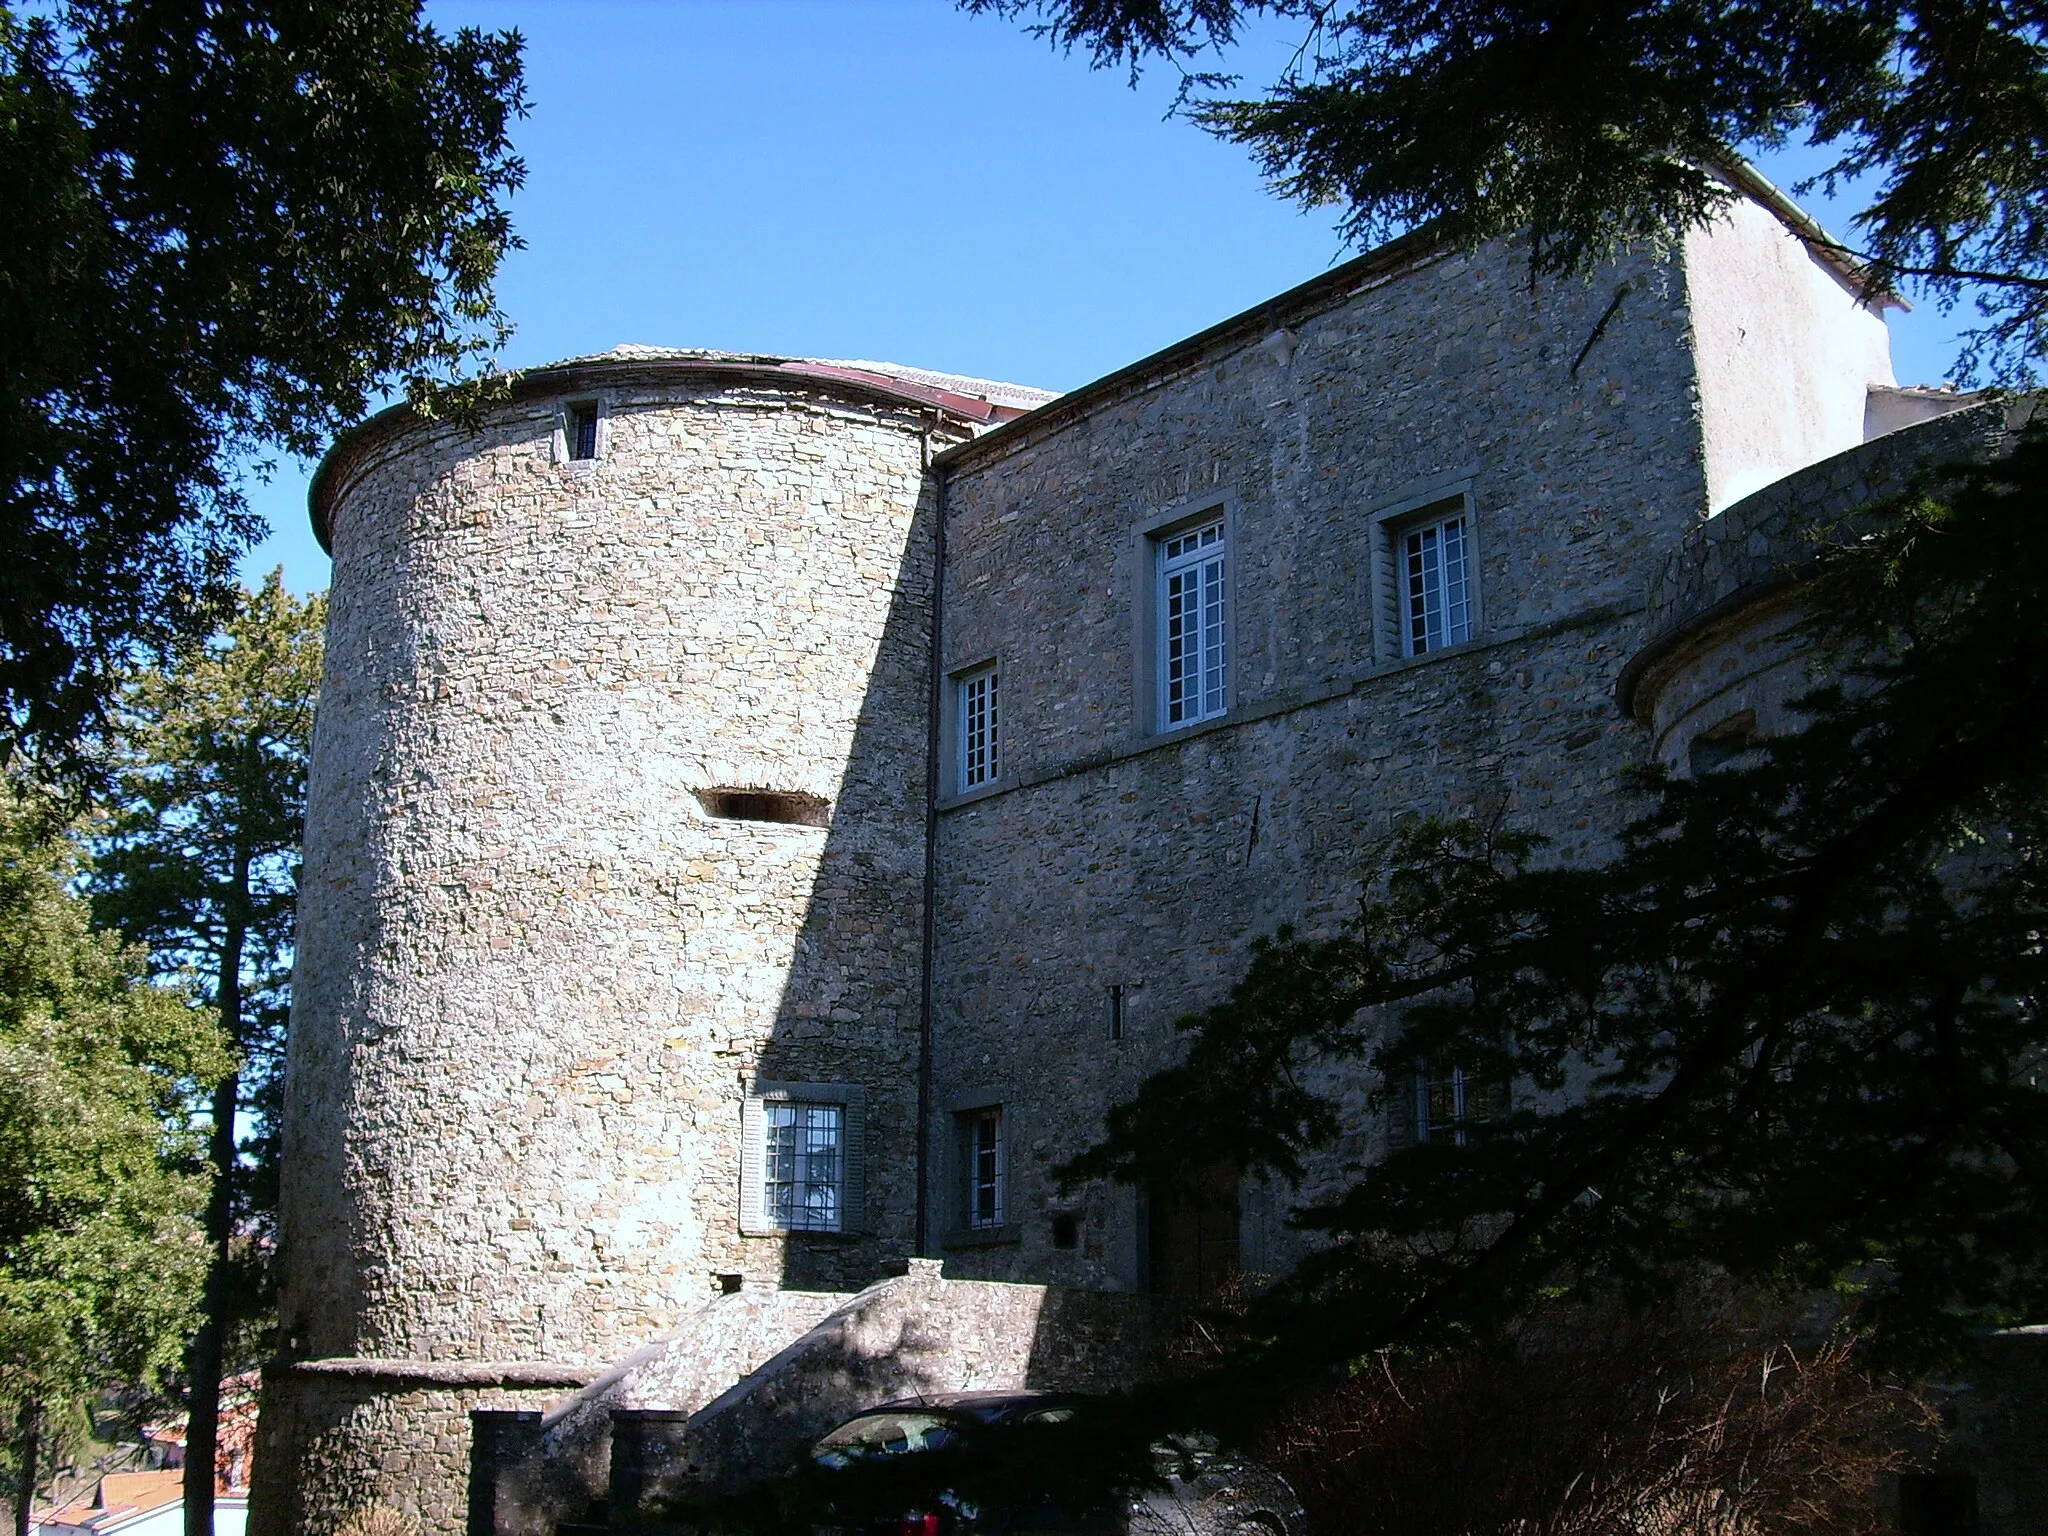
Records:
x=991, y=674
x=565, y=428
x=1150, y=673
x=1460, y=1084
x=756, y=1218
x=1405, y=556
x=961, y=1112
x=978, y=1180
x=1423, y=506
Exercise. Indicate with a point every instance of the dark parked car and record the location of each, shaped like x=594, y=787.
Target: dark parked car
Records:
x=1209, y=1491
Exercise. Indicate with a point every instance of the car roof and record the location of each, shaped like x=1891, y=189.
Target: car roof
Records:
x=987, y=1406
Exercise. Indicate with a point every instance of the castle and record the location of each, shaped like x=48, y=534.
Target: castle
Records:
x=764, y=811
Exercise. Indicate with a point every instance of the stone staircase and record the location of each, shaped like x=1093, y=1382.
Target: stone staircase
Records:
x=741, y=1390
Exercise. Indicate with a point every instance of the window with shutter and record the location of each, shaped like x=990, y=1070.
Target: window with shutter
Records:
x=1436, y=585
x=801, y=1158
x=1425, y=572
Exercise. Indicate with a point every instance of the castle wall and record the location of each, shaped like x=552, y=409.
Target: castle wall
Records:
x=537, y=977
x=1111, y=855
x=533, y=973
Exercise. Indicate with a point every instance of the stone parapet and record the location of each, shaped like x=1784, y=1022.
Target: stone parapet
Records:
x=1751, y=552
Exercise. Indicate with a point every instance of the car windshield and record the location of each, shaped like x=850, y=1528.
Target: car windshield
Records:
x=883, y=1434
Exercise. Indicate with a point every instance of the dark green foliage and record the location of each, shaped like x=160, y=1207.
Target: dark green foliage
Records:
x=100, y=1251
x=230, y=225
x=196, y=855
x=1592, y=124
x=1793, y=1029
x=198, y=860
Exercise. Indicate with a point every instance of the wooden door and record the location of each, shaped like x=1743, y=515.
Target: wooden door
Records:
x=1193, y=1236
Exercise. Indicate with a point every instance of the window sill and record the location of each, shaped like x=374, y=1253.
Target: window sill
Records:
x=1007, y=1234
x=802, y=1234
x=979, y=792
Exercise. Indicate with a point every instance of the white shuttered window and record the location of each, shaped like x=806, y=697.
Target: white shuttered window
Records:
x=1194, y=640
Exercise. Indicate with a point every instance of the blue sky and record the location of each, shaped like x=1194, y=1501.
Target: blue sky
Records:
x=882, y=179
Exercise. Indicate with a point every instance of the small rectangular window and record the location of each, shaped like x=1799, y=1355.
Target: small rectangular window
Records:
x=1194, y=641
x=582, y=431
x=982, y=1160
x=803, y=1178
x=980, y=713
x=1436, y=585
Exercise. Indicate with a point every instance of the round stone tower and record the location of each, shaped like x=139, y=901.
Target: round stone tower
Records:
x=616, y=822
x=1727, y=660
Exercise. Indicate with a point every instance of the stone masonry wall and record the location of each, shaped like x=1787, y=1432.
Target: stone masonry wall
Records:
x=533, y=974
x=350, y=1443
x=1112, y=855
x=1724, y=611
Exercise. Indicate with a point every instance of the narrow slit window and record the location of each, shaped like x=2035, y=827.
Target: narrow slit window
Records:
x=803, y=1181
x=1194, y=641
x=583, y=431
x=1437, y=584
x=785, y=807
x=980, y=706
x=981, y=1137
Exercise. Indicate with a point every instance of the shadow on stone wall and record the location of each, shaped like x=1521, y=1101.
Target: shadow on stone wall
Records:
x=825, y=1325
x=849, y=1010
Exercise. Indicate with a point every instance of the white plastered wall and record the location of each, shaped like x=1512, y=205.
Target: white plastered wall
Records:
x=1786, y=355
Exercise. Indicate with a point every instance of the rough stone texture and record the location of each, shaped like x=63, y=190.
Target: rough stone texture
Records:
x=345, y=1443
x=532, y=973
x=726, y=1340
x=1771, y=537
x=1113, y=855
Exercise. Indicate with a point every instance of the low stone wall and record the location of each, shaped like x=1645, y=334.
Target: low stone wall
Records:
x=918, y=1334
x=343, y=1434
x=566, y=1463
x=914, y=1333
x=333, y=1442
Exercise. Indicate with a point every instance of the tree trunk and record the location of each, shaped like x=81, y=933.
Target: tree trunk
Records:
x=203, y=1357
x=31, y=1436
